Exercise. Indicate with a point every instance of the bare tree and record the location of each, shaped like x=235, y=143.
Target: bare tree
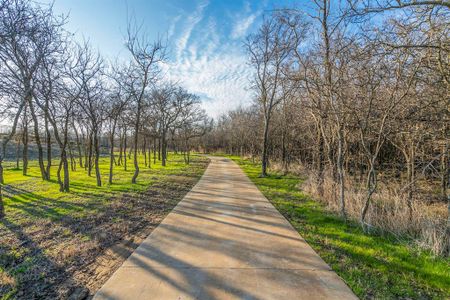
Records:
x=29, y=34
x=4, y=143
x=269, y=49
x=193, y=123
x=142, y=73
x=87, y=74
x=117, y=105
x=169, y=101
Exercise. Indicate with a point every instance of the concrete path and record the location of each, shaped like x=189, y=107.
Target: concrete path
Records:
x=224, y=240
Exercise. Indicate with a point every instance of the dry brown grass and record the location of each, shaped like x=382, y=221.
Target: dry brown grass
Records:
x=7, y=280
x=425, y=225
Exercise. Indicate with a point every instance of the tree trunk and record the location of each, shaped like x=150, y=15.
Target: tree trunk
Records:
x=334, y=173
x=90, y=141
x=163, y=148
x=66, y=174
x=320, y=163
x=2, y=208
x=149, y=155
x=154, y=151
x=340, y=170
x=18, y=154
x=188, y=152
x=174, y=144
x=371, y=186
x=185, y=152
x=85, y=140
x=264, y=152
x=58, y=175
x=73, y=164
x=445, y=185
x=111, y=153
x=328, y=88
x=48, y=142
x=166, y=151
x=135, y=150
x=25, y=142
x=97, y=158
x=125, y=150
x=410, y=170
x=444, y=172
x=253, y=156
x=283, y=150
x=63, y=144
x=37, y=139
x=159, y=149
x=119, y=160
x=144, y=151
x=80, y=156
x=63, y=184
x=2, y=178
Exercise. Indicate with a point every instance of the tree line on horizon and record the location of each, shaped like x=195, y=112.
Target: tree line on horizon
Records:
x=356, y=93
x=57, y=92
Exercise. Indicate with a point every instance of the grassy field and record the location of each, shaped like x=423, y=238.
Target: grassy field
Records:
x=375, y=266
x=56, y=245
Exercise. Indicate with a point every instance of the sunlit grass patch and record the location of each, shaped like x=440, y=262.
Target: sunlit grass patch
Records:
x=34, y=197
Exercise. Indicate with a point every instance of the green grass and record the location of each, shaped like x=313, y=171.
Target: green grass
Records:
x=47, y=234
x=374, y=266
x=30, y=195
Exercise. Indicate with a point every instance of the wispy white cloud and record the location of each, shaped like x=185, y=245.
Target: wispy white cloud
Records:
x=191, y=22
x=210, y=61
x=173, y=24
x=221, y=79
x=243, y=20
x=241, y=26
x=212, y=38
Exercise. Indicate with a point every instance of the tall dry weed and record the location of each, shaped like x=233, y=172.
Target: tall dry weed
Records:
x=425, y=224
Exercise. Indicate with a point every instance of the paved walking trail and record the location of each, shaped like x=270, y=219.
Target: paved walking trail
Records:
x=224, y=240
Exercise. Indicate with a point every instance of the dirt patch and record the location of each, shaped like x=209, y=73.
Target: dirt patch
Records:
x=71, y=258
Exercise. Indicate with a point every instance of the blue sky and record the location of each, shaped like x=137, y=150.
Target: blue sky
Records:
x=205, y=38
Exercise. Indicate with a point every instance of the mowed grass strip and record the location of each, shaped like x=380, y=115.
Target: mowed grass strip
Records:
x=54, y=244
x=374, y=266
